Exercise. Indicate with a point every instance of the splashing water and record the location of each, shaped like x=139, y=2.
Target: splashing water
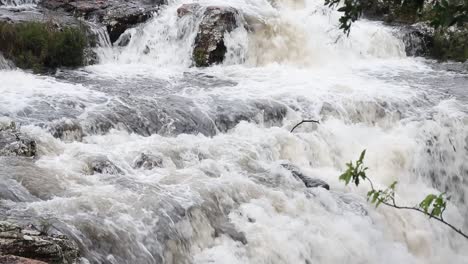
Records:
x=214, y=189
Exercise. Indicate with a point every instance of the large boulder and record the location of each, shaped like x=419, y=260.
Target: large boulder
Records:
x=209, y=47
x=116, y=15
x=35, y=245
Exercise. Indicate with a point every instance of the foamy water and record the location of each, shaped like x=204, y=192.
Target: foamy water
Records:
x=221, y=195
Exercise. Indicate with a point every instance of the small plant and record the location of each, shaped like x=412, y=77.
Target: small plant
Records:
x=433, y=205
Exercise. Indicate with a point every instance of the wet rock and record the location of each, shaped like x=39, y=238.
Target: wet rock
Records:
x=66, y=130
x=308, y=181
x=209, y=47
x=102, y=165
x=15, y=143
x=147, y=161
x=187, y=9
x=418, y=39
x=9, y=259
x=27, y=243
x=116, y=15
x=228, y=114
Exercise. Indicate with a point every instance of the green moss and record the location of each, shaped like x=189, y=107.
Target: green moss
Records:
x=199, y=56
x=40, y=46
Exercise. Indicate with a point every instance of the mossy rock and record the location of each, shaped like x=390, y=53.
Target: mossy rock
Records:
x=451, y=44
x=42, y=46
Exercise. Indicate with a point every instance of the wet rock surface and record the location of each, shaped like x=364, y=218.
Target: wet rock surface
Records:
x=102, y=165
x=15, y=143
x=116, y=15
x=66, y=130
x=209, y=47
x=309, y=182
x=9, y=259
x=33, y=244
x=418, y=39
x=147, y=161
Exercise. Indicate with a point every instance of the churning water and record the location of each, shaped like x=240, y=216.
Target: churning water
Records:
x=218, y=137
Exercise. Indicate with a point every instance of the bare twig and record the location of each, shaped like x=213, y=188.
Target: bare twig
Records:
x=304, y=121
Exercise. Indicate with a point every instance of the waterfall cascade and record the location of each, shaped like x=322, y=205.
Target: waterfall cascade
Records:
x=143, y=158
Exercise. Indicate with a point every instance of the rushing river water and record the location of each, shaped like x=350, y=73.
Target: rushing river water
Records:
x=218, y=137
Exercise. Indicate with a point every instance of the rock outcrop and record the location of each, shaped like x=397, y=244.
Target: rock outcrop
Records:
x=15, y=143
x=209, y=47
x=116, y=15
x=34, y=247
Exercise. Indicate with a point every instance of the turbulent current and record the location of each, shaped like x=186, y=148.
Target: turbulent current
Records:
x=143, y=158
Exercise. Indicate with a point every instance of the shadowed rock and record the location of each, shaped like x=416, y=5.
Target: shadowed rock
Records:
x=32, y=244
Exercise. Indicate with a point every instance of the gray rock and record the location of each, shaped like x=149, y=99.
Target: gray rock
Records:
x=22, y=242
x=15, y=143
x=67, y=130
x=9, y=259
x=209, y=47
x=308, y=181
x=116, y=15
x=147, y=161
x=102, y=165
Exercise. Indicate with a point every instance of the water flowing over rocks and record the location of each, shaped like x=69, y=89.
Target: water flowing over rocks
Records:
x=28, y=243
x=209, y=47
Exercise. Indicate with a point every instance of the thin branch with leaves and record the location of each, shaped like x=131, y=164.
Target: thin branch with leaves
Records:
x=433, y=205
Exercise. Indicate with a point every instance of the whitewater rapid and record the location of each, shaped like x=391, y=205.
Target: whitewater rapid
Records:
x=220, y=193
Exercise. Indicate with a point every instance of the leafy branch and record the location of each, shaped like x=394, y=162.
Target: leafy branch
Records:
x=432, y=206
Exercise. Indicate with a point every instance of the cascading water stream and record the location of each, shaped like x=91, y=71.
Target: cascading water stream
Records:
x=155, y=161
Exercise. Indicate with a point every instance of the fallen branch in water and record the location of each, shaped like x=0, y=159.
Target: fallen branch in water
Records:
x=304, y=121
x=432, y=206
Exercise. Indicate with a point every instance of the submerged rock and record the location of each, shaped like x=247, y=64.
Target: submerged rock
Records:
x=66, y=130
x=147, y=161
x=15, y=143
x=209, y=47
x=308, y=181
x=102, y=165
x=32, y=244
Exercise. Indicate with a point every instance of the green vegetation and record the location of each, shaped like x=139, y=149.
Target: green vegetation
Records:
x=433, y=205
x=41, y=46
x=439, y=13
